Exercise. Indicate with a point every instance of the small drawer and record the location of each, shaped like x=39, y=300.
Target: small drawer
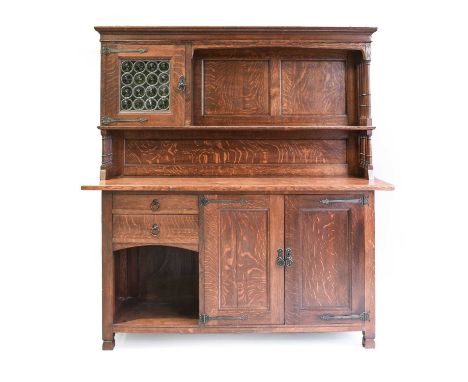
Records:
x=155, y=229
x=154, y=204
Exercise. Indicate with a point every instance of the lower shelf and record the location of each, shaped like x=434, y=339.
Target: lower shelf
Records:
x=147, y=312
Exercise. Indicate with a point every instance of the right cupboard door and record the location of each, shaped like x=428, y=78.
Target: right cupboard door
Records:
x=325, y=236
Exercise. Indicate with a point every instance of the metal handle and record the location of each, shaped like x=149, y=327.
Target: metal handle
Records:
x=155, y=230
x=364, y=316
x=363, y=200
x=107, y=50
x=181, y=85
x=288, y=259
x=280, y=259
x=106, y=120
x=155, y=205
x=204, y=201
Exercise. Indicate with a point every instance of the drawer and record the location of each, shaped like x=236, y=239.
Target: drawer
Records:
x=155, y=229
x=154, y=204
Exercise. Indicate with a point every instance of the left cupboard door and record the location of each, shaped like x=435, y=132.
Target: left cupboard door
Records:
x=142, y=85
x=243, y=284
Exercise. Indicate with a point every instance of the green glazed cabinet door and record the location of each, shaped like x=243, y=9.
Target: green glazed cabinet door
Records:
x=143, y=85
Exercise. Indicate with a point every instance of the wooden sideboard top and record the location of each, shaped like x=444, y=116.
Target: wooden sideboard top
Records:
x=231, y=184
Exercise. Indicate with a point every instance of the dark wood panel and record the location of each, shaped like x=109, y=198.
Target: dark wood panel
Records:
x=326, y=265
x=244, y=262
x=327, y=244
x=235, y=87
x=156, y=284
x=239, y=252
x=311, y=87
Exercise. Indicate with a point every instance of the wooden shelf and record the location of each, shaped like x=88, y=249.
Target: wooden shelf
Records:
x=215, y=184
x=238, y=127
x=147, y=312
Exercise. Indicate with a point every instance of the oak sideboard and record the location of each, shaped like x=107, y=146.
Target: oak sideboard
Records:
x=237, y=180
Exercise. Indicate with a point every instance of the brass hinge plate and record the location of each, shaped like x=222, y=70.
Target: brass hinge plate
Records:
x=204, y=318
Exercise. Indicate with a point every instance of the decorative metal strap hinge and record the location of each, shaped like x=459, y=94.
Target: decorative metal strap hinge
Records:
x=106, y=120
x=362, y=200
x=364, y=316
x=107, y=50
x=204, y=201
x=204, y=318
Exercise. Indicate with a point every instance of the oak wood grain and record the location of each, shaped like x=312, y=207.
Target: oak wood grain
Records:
x=313, y=87
x=240, y=274
x=327, y=244
x=283, y=185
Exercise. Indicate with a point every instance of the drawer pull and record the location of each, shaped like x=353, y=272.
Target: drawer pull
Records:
x=363, y=200
x=155, y=204
x=155, y=230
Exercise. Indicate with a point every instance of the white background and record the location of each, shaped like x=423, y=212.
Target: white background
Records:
x=50, y=230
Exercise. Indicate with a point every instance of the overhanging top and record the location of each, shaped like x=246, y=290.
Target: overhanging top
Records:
x=325, y=34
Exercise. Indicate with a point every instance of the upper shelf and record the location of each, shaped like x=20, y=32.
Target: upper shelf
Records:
x=240, y=127
x=216, y=184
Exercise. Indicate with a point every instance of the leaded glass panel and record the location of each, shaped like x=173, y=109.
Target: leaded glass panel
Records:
x=144, y=85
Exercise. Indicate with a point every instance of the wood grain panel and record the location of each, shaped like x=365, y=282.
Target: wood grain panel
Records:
x=214, y=157
x=174, y=229
x=243, y=259
x=246, y=151
x=239, y=251
x=235, y=87
x=313, y=87
x=327, y=244
x=326, y=264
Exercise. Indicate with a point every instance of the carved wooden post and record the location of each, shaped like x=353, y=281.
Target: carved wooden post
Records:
x=365, y=118
x=106, y=162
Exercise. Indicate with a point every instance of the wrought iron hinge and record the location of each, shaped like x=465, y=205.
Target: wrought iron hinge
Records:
x=204, y=318
x=364, y=316
x=204, y=201
x=362, y=200
x=106, y=120
x=107, y=50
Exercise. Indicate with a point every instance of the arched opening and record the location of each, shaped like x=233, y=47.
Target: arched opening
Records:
x=156, y=286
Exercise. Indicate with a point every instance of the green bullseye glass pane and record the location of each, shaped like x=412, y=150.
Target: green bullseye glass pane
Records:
x=144, y=85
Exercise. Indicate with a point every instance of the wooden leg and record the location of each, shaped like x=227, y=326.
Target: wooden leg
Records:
x=108, y=345
x=367, y=341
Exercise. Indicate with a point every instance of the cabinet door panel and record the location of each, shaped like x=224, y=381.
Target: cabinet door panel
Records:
x=327, y=246
x=241, y=277
x=140, y=85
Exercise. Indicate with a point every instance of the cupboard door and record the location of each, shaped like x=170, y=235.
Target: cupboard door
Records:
x=142, y=85
x=326, y=236
x=243, y=285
